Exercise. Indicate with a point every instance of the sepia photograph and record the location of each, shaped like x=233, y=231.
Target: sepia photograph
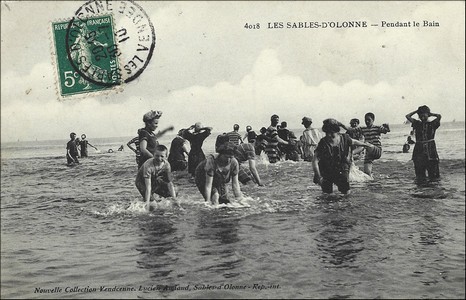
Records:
x=232, y=149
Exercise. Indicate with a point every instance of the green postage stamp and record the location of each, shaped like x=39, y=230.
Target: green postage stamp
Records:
x=86, y=56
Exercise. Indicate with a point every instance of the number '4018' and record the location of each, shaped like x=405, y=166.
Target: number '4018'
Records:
x=252, y=26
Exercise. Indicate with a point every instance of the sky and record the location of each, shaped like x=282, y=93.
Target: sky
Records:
x=207, y=67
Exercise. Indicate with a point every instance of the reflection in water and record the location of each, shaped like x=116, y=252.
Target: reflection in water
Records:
x=219, y=234
x=337, y=242
x=159, y=240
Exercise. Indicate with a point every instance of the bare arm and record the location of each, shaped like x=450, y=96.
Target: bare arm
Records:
x=410, y=116
x=143, y=148
x=130, y=147
x=235, y=186
x=208, y=188
x=91, y=145
x=315, y=166
x=281, y=141
x=359, y=143
x=438, y=116
x=252, y=167
x=185, y=149
x=147, y=194
x=162, y=132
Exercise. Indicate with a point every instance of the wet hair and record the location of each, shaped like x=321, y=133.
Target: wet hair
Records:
x=227, y=148
x=248, y=128
x=221, y=139
x=71, y=134
x=161, y=148
x=369, y=114
x=284, y=124
x=263, y=130
x=423, y=109
x=354, y=121
x=331, y=126
x=235, y=127
x=274, y=117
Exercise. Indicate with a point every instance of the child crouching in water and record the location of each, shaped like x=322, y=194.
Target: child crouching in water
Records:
x=155, y=177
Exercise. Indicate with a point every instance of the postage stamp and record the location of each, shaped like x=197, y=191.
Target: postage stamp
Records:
x=134, y=42
x=105, y=45
x=98, y=33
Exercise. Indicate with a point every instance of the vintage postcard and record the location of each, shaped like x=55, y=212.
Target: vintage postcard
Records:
x=232, y=149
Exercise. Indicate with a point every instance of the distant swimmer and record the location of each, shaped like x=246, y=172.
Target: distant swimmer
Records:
x=425, y=156
x=155, y=177
x=72, y=150
x=121, y=148
x=148, y=140
x=213, y=173
x=83, y=145
x=309, y=140
x=196, y=134
x=332, y=158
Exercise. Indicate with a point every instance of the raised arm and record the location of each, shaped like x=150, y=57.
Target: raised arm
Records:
x=410, y=116
x=162, y=132
x=438, y=116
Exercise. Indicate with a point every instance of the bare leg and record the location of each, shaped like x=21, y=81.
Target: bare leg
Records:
x=368, y=169
x=214, y=198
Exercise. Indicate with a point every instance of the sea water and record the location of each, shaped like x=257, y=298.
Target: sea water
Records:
x=82, y=232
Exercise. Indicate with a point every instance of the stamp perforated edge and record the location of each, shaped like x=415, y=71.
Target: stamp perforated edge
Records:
x=104, y=92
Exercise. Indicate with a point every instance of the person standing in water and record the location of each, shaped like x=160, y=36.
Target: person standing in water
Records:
x=147, y=138
x=196, y=139
x=178, y=149
x=83, y=145
x=72, y=150
x=371, y=135
x=250, y=135
x=234, y=135
x=273, y=140
x=425, y=156
x=332, y=159
x=309, y=140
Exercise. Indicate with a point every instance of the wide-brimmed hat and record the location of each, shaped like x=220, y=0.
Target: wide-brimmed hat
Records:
x=153, y=114
x=306, y=119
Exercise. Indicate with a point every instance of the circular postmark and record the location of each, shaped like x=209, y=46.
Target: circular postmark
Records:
x=110, y=42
